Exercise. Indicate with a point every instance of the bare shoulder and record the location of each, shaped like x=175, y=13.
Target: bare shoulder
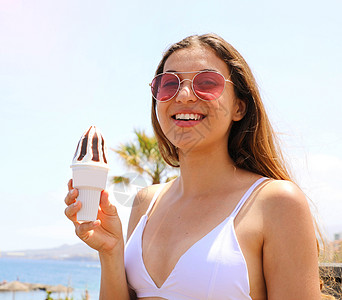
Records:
x=143, y=199
x=285, y=212
x=281, y=196
x=141, y=202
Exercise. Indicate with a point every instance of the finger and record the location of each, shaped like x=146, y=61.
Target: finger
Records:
x=84, y=230
x=105, y=205
x=70, y=187
x=72, y=210
x=71, y=197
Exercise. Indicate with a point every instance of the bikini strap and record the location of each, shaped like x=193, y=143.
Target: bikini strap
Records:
x=246, y=196
x=155, y=196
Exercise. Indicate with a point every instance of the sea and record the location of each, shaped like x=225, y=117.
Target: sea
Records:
x=80, y=275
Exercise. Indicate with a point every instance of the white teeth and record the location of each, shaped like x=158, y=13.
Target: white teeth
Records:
x=188, y=117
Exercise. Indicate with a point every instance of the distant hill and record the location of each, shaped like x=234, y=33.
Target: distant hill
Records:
x=78, y=251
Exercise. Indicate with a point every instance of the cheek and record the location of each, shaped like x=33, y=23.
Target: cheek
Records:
x=161, y=110
x=220, y=112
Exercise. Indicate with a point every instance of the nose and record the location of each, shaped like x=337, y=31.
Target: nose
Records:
x=185, y=92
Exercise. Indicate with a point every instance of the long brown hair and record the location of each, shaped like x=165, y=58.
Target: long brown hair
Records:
x=252, y=143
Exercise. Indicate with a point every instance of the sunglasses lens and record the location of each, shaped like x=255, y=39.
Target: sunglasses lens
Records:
x=164, y=86
x=208, y=85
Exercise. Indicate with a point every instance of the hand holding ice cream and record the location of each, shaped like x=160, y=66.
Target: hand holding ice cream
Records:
x=86, y=200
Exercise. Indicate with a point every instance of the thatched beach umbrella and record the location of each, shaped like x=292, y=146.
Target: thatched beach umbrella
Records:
x=14, y=286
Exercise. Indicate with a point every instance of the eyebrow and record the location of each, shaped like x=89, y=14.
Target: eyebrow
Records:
x=203, y=70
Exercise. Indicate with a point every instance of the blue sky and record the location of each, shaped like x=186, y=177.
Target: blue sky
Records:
x=66, y=65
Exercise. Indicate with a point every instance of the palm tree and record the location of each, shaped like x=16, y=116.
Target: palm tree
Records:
x=142, y=155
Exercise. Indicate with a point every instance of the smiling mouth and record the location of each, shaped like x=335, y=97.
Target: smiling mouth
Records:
x=188, y=117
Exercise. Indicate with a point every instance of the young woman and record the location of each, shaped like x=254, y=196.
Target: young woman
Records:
x=232, y=225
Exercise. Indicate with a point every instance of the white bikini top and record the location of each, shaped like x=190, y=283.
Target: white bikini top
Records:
x=212, y=268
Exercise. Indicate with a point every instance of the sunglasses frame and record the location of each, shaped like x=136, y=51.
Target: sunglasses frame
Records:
x=192, y=83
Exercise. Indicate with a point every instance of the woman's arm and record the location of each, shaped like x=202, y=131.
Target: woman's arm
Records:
x=290, y=257
x=105, y=236
x=113, y=276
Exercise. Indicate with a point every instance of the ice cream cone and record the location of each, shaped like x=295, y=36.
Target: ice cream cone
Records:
x=90, y=172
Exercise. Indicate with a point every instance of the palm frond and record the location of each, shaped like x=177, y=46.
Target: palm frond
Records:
x=142, y=155
x=120, y=179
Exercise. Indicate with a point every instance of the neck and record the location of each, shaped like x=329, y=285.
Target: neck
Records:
x=203, y=172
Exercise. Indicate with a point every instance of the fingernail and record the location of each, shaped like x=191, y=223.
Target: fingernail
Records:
x=76, y=203
x=72, y=192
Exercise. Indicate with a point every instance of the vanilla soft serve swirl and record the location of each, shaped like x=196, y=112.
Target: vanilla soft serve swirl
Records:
x=91, y=149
